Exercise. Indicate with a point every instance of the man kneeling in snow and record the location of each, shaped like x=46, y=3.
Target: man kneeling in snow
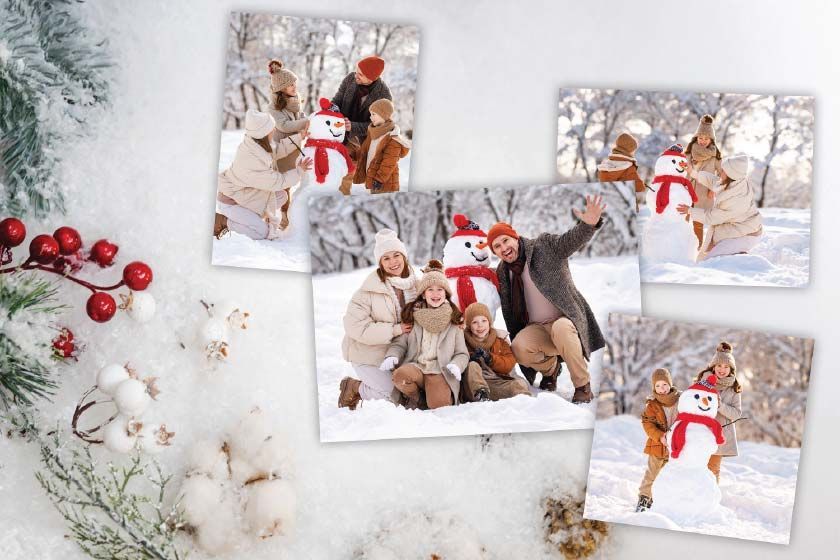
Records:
x=549, y=320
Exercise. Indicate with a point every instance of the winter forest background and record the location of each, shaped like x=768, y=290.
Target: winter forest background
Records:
x=342, y=229
x=776, y=131
x=321, y=52
x=774, y=371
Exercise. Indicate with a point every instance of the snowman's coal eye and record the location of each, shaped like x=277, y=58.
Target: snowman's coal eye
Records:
x=328, y=123
x=467, y=244
x=672, y=161
x=697, y=397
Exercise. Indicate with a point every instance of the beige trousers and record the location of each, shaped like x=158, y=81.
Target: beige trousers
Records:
x=410, y=379
x=538, y=345
x=497, y=387
x=655, y=465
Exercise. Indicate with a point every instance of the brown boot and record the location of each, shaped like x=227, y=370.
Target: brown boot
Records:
x=346, y=185
x=549, y=382
x=583, y=394
x=220, y=226
x=349, y=396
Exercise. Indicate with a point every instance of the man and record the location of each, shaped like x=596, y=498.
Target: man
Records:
x=548, y=319
x=354, y=97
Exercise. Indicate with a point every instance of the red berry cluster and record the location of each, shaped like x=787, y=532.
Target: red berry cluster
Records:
x=63, y=345
x=61, y=253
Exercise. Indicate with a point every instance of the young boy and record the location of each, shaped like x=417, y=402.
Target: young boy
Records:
x=490, y=374
x=658, y=417
x=379, y=156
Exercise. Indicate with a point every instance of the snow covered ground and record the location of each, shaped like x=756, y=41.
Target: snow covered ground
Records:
x=290, y=252
x=758, y=486
x=782, y=258
x=609, y=284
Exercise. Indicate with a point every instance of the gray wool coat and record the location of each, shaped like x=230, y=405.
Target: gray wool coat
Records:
x=547, y=257
x=729, y=410
x=344, y=99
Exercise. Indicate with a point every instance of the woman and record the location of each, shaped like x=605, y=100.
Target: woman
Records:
x=251, y=191
x=733, y=221
x=702, y=152
x=372, y=322
x=290, y=126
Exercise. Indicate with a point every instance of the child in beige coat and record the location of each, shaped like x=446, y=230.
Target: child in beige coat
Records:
x=703, y=155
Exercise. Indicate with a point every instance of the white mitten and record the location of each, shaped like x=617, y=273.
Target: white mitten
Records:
x=454, y=370
x=388, y=363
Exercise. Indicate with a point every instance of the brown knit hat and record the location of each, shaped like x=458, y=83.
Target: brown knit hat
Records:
x=473, y=310
x=433, y=276
x=626, y=144
x=660, y=374
x=382, y=107
x=371, y=67
x=706, y=127
x=280, y=77
x=723, y=355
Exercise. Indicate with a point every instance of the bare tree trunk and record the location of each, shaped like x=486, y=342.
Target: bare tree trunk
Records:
x=774, y=140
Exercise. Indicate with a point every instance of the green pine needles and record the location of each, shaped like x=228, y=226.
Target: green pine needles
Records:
x=51, y=77
x=27, y=308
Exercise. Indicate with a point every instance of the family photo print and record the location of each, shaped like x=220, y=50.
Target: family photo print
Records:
x=311, y=107
x=467, y=312
x=699, y=428
x=723, y=180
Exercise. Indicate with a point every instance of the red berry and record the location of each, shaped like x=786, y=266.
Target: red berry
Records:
x=101, y=307
x=69, y=240
x=43, y=249
x=12, y=232
x=63, y=344
x=103, y=252
x=137, y=275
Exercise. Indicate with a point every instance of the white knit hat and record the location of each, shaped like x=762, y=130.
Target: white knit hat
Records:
x=258, y=125
x=387, y=241
x=736, y=167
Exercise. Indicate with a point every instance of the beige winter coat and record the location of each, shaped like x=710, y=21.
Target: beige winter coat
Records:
x=729, y=410
x=287, y=138
x=252, y=181
x=451, y=349
x=711, y=165
x=371, y=322
x=734, y=213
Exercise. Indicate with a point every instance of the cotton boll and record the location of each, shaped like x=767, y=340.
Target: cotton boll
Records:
x=219, y=531
x=141, y=306
x=131, y=397
x=199, y=499
x=208, y=457
x=271, y=508
x=242, y=471
x=214, y=329
x=233, y=313
x=110, y=376
x=273, y=456
x=117, y=437
x=154, y=438
x=250, y=434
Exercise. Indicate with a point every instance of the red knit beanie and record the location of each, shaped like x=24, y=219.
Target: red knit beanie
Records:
x=371, y=67
x=500, y=228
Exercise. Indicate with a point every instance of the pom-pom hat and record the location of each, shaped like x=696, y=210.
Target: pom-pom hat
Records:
x=708, y=385
x=280, y=77
x=674, y=150
x=466, y=227
x=433, y=276
x=386, y=240
x=723, y=355
x=706, y=127
x=328, y=108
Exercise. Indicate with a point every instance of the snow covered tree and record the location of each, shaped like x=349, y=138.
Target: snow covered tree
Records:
x=51, y=79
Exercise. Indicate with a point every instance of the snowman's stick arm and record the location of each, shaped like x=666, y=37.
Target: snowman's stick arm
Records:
x=733, y=421
x=296, y=146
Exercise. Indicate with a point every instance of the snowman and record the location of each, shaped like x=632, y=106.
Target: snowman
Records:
x=668, y=235
x=686, y=490
x=468, y=267
x=325, y=146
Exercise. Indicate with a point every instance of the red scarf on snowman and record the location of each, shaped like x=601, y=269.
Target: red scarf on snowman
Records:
x=464, y=285
x=663, y=195
x=322, y=159
x=686, y=418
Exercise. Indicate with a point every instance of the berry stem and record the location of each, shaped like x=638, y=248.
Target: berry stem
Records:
x=29, y=265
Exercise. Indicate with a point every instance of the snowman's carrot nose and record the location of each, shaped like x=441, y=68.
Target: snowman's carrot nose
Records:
x=683, y=163
x=339, y=124
x=705, y=401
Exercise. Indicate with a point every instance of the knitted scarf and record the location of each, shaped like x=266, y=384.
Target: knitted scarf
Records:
x=699, y=153
x=293, y=104
x=376, y=131
x=464, y=285
x=517, y=288
x=663, y=195
x=669, y=399
x=724, y=382
x=473, y=342
x=433, y=319
x=408, y=287
x=322, y=160
x=355, y=109
x=684, y=419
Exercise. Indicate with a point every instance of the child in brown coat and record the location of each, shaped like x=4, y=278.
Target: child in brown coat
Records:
x=378, y=160
x=621, y=165
x=490, y=373
x=658, y=417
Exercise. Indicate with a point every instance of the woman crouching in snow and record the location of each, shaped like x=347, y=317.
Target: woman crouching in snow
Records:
x=434, y=354
x=733, y=222
x=251, y=191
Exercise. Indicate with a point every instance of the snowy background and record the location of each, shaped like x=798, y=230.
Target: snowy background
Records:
x=606, y=273
x=760, y=484
x=157, y=155
x=776, y=131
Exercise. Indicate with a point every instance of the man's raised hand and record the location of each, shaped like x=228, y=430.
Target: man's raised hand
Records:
x=594, y=208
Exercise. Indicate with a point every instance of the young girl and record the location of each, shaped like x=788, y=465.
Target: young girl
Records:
x=658, y=417
x=290, y=124
x=490, y=374
x=378, y=160
x=703, y=155
x=251, y=191
x=723, y=366
x=733, y=221
x=433, y=355
x=621, y=165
